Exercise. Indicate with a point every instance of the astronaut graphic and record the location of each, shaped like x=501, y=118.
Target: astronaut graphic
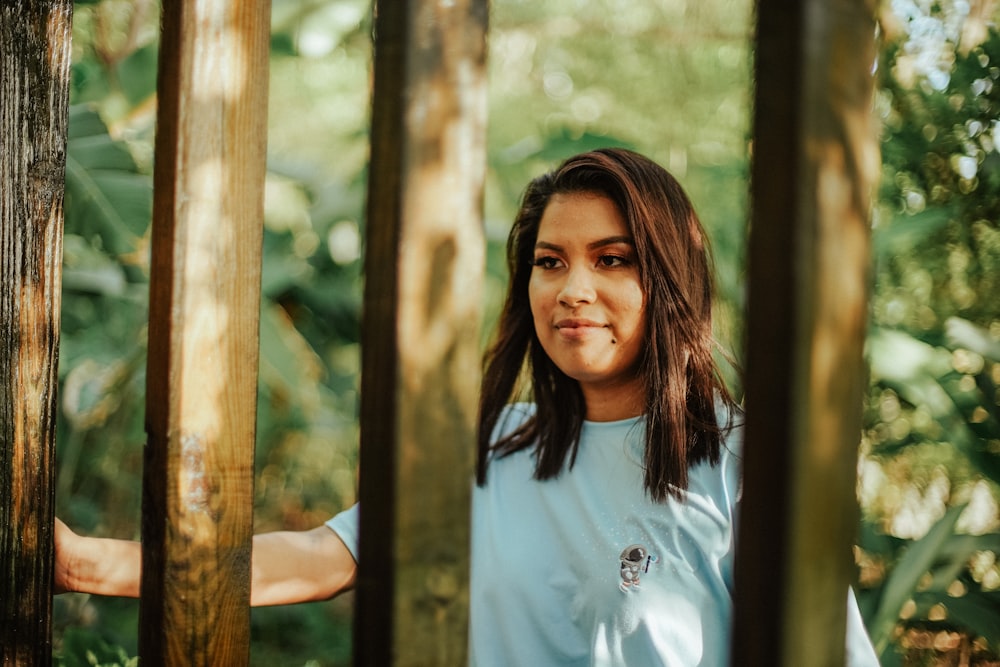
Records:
x=635, y=560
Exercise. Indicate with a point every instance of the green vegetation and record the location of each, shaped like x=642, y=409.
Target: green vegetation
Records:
x=671, y=79
x=930, y=468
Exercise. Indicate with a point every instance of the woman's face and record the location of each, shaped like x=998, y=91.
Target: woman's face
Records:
x=586, y=298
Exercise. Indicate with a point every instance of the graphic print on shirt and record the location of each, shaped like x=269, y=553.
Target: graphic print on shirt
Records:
x=635, y=561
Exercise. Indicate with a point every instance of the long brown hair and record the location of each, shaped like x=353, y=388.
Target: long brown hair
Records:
x=682, y=380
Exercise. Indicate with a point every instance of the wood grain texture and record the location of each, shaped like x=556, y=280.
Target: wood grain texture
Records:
x=34, y=103
x=203, y=332
x=815, y=164
x=420, y=355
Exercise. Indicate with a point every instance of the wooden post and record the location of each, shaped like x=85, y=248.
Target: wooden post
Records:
x=203, y=333
x=34, y=104
x=420, y=356
x=815, y=162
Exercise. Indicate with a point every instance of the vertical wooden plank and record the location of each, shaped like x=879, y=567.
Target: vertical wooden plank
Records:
x=815, y=161
x=34, y=103
x=420, y=357
x=203, y=332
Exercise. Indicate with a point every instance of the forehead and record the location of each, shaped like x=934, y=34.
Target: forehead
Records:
x=582, y=215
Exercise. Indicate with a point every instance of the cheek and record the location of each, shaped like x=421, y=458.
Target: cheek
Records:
x=536, y=298
x=633, y=306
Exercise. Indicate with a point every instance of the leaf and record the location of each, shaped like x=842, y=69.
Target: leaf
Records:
x=98, y=152
x=84, y=122
x=906, y=232
x=106, y=195
x=964, y=334
x=85, y=269
x=288, y=365
x=953, y=559
x=917, y=560
x=85, y=648
x=976, y=612
x=922, y=374
x=137, y=73
x=898, y=356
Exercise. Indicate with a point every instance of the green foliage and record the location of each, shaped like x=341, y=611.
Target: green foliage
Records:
x=85, y=649
x=932, y=422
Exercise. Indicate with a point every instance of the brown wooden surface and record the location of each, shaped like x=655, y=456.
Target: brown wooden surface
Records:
x=203, y=333
x=420, y=356
x=815, y=161
x=34, y=98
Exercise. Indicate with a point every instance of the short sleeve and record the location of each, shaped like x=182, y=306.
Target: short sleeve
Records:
x=346, y=525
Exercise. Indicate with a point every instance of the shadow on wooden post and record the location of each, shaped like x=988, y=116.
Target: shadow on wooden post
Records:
x=34, y=107
x=420, y=355
x=815, y=164
x=203, y=333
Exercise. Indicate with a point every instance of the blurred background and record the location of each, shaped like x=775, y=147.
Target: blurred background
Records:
x=670, y=78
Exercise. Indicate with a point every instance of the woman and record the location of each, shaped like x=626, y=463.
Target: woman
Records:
x=604, y=511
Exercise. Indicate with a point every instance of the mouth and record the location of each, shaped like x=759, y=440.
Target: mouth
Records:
x=577, y=324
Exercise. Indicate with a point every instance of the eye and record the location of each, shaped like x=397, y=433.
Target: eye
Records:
x=546, y=262
x=611, y=261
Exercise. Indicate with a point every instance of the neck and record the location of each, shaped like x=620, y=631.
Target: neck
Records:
x=608, y=404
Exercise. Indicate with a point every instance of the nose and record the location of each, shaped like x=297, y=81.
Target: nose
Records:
x=577, y=288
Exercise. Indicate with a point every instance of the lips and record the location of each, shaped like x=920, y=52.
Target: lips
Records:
x=574, y=327
x=578, y=323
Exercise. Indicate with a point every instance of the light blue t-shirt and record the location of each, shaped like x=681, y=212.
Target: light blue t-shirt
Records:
x=586, y=570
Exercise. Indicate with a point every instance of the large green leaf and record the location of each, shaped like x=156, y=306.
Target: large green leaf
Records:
x=916, y=561
x=953, y=559
x=137, y=73
x=106, y=195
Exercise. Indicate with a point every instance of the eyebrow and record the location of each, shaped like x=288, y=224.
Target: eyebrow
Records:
x=593, y=245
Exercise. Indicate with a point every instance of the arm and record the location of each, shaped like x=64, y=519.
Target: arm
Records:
x=96, y=565
x=287, y=566
x=300, y=566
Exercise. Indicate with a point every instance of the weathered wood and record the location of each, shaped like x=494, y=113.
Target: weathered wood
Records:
x=815, y=161
x=420, y=356
x=34, y=104
x=203, y=333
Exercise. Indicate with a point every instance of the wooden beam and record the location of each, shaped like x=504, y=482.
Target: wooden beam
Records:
x=420, y=356
x=34, y=107
x=815, y=163
x=203, y=332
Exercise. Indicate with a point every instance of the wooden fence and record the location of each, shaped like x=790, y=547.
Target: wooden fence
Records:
x=815, y=165
x=814, y=155
x=34, y=104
